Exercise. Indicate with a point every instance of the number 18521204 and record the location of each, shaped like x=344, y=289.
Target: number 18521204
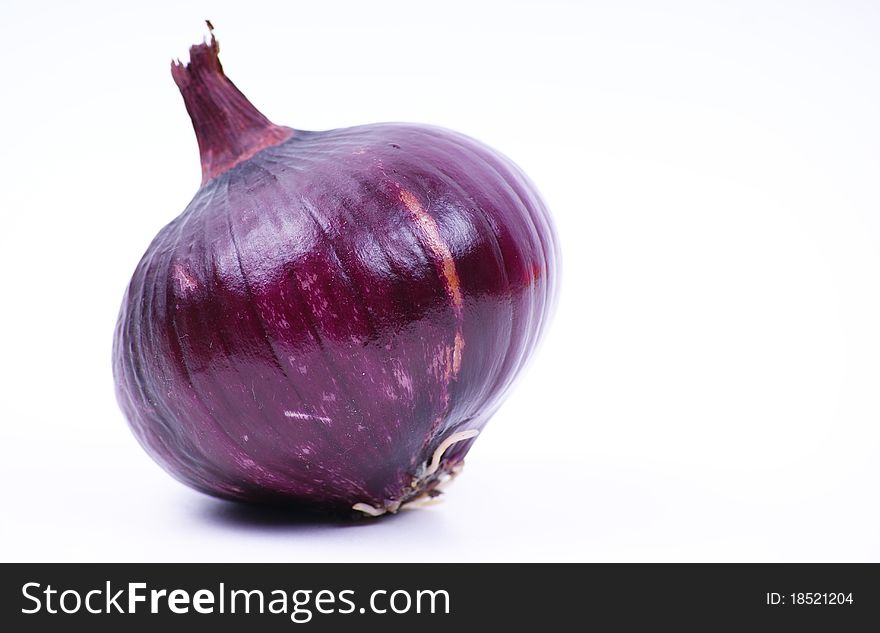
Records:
x=821, y=598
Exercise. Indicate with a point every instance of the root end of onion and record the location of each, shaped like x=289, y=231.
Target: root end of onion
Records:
x=425, y=489
x=461, y=436
x=366, y=508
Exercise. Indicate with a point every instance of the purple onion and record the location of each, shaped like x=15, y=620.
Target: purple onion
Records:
x=335, y=315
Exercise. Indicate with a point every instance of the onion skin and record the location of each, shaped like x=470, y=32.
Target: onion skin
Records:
x=330, y=307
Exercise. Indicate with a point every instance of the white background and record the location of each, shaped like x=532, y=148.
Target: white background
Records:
x=710, y=388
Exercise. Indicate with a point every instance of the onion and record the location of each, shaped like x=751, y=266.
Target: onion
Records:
x=335, y=315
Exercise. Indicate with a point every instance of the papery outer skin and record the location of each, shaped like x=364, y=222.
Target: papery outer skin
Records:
x=297, y=336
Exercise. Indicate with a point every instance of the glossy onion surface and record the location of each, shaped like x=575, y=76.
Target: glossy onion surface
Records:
x=332, y=309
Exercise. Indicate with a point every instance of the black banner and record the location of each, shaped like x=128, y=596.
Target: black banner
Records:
x=434, y=597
